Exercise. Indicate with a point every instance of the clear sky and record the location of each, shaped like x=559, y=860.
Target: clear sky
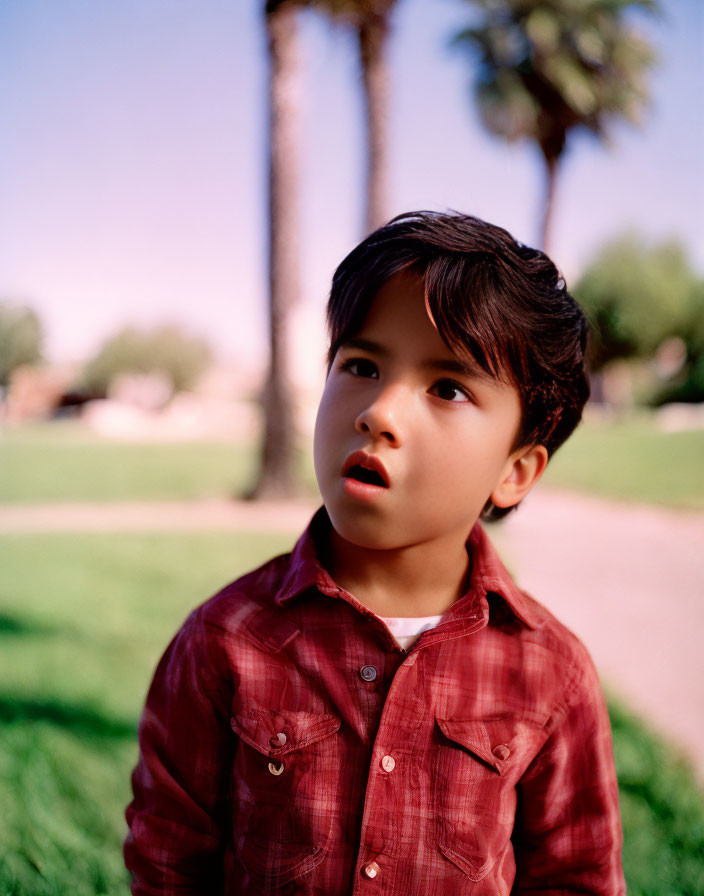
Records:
x=133, y=160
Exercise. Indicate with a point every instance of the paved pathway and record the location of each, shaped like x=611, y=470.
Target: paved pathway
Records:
x=164, y=516
x=629, y=580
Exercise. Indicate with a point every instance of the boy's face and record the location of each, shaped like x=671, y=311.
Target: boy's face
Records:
x=442, y=433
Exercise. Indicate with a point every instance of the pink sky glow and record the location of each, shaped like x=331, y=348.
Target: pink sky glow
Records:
x=133, y=161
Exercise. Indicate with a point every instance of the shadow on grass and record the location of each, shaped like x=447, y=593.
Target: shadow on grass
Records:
x=662, y=809
x=80, y=720
x=14, y=625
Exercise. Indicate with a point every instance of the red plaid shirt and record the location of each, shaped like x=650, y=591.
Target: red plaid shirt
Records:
x=289, y=745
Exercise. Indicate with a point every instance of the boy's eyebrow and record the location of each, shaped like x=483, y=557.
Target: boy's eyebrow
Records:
x=454, y=365
x=366, y=345
x=442, y=365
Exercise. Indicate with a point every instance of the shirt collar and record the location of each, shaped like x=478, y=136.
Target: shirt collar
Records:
x=489, y=575
x=305, y=569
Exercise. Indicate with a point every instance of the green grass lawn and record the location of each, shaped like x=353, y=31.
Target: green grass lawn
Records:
x=83, y=621
x=64, y=462
x=632, y=460
x=629, y=460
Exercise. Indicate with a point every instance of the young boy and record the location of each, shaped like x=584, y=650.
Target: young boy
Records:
x=383, y=711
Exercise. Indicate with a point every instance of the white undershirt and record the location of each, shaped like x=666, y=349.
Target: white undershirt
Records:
x=406, y=629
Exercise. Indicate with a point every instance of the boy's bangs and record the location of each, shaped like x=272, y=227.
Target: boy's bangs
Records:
x=354, y=293
x=464, y=301
x=465, y=306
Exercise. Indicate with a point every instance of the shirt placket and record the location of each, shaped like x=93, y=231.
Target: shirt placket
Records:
x=388, y=788
x=392, y=812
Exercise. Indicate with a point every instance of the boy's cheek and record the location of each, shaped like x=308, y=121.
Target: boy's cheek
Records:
x=334, y=417
x=324, y=453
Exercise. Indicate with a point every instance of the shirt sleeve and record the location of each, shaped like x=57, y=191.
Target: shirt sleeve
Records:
x=568, y=835
x=177, y=817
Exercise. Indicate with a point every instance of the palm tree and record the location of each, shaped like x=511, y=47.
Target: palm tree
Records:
x=550, y=67
x=276, y=478
x=371, y=21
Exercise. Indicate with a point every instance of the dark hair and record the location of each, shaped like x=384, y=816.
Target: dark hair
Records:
x=493, y=299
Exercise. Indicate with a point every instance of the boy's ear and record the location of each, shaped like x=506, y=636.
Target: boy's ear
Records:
x=523, y=469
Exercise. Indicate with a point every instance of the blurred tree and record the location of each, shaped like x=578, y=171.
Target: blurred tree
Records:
x=20, y=339
x=688, y=383
x=371, y=21
x=637, y=296
x=275, y=478
x=549, y=67
x=167, y=350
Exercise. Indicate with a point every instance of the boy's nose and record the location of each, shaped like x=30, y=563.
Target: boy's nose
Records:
x=382, y=418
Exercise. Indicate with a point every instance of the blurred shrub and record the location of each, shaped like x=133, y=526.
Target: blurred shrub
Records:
x=688, y=383
x=662, y=808
x=166, y=350
x=636, y=296
x=20, y=339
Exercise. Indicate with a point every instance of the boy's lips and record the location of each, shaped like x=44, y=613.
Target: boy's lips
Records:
x=364, y=461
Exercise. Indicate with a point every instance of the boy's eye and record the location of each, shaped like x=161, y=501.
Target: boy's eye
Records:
x=361, y=367
x=449, y=390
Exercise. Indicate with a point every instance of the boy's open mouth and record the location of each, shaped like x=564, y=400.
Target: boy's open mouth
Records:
x=363, y=475
x=366, y=468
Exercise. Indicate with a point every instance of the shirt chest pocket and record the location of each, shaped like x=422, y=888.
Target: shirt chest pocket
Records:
x=283, y=791
x=477, y=764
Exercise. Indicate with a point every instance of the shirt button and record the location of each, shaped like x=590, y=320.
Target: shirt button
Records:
x=371, y=870
x=276, y=768
x=367, y=673
x=501, y=751
x=278, y=740
x=388, y=763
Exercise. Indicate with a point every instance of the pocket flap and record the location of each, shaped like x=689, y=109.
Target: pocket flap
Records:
x=498, y=743
x=265, y=729
x=278, y=863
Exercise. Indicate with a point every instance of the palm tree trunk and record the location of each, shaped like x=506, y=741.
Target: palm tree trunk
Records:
x=276, y=478
x=373, y=35
x=551, y=165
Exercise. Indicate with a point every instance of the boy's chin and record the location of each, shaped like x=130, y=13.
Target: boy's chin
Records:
x=372, y=535
x=383, y=535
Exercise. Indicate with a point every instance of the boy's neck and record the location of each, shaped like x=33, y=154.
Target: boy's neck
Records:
x=412, y=581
